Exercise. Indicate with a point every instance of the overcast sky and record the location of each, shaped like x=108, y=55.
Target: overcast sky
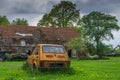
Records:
x=33, y=10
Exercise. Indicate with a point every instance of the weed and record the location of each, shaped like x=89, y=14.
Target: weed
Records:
x=10, y=78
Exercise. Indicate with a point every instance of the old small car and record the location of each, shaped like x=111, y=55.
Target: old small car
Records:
x=48, y=56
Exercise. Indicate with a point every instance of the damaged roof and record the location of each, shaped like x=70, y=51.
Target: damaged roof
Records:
x=49, y=33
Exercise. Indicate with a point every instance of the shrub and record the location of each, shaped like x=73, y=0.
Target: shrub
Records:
x=8, y=56
x=10, y=78
x=18, y=57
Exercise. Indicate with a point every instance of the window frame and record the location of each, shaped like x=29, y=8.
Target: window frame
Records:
x=62, y=52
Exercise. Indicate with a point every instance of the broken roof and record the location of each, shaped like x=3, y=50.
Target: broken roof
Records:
x=49, y=33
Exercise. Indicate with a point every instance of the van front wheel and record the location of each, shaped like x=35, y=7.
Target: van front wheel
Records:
x=35, y=67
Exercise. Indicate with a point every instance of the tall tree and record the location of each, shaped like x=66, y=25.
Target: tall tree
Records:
x=4, y=20
x=98, y=27
x=63, y=14
x=20, y=22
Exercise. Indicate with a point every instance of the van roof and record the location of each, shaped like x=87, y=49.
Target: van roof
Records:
x=49, y=44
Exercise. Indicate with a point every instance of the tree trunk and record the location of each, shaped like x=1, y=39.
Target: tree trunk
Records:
x=97, y=46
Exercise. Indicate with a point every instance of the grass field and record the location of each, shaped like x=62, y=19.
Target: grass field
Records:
x=80, y=70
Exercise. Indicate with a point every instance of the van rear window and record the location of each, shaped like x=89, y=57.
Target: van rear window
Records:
x=52, y=49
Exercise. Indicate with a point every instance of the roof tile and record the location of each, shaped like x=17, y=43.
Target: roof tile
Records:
x=50, y=33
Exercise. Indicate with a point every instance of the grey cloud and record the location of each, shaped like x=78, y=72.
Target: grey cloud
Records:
x=98, y=5
x=25, y=6
x=43, y=6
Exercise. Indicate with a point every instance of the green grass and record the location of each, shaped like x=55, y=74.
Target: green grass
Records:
x=80, y=70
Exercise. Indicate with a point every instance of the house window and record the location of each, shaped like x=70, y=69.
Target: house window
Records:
x=23, y=43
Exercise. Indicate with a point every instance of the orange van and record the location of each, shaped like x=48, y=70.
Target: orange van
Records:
x=48, y=56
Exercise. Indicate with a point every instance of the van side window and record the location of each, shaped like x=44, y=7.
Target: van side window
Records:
x=36, y=50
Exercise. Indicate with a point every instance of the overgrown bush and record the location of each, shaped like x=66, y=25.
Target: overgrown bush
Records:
x=10, y=78
x=19, y=57
x=103, y=49
x=117, y=51
x=8, y=56
x=77, y=44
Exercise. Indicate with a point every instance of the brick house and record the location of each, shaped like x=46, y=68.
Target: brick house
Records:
x=18, y=39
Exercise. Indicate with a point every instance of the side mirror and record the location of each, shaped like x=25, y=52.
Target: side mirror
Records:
x=29, y=52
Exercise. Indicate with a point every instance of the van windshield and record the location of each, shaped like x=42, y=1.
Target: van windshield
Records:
x=52, y=49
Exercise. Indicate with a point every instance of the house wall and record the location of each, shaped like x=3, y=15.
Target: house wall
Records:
x=74, y=53
x=10, y=38
x=16, y=45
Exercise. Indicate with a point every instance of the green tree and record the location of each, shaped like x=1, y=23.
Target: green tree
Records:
x=20, y=22
x=98, y=27
x=63, y=14
x=4, y=20
x=78, y=44
x=117, y=51
x=106, y=48
x=45, y=21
